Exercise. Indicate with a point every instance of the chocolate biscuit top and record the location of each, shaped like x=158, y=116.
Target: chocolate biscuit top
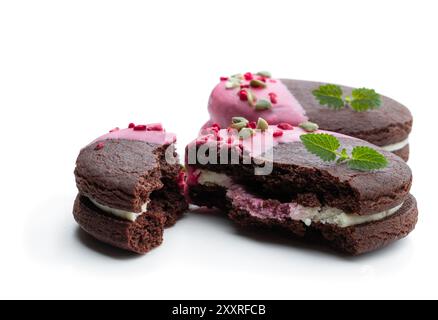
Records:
x=391, y=123
x=120, y=175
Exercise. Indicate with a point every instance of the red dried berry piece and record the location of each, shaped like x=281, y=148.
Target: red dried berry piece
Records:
x=252, y=125
x=99, y=146
x=244, y=86
x=248, y=76
x=224, y=78
x=285, y=126
x=131, y=125
x=181, y=179
x=155, y=127
x=243, y=95
x=201, y=141
x=230, y=140
x=277, y=133
x=216, y=126
x=273, y=97
x=263, y=79
x=114, y=130
x=140, y=127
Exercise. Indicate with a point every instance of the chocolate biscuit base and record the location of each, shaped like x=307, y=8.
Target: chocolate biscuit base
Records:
x=352, y=240
x=140, y=236
x=166, y=207
x=391, y=123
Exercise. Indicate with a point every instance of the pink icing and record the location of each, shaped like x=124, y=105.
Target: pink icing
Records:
x=225, y=103
x=256, y=145
x=155, y=137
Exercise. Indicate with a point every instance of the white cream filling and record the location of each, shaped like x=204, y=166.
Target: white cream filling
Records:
x=396, y=146
x=208, y=178
x=328, y=215
x=126, y=215
x=325, y=215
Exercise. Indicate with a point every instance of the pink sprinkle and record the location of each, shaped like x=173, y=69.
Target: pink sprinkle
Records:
x=243, y=95
x=204, y=139
x=248, y=76
x=114, y=130
x=252, y=125
x=224, y=78
x=215, y=125
x=99, y=146
x=263, y=79
x=273, y=97
x=131, y=125
x=285, y=126
x=181, y=179
x=277, y=133
x=272, y=81
x=230, y=140
x=155, y=127
x=192, y=178
x=140, y=127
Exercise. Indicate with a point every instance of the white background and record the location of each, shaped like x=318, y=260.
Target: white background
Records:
x=72, y=70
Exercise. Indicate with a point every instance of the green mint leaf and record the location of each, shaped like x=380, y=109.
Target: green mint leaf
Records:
x=343, y=156
x=322, y=145
x=330, y=95
x=366, y=158
x=364, y=99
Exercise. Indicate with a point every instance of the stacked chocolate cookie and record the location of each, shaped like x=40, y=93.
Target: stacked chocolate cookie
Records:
x=129, y=184
x=351, y=210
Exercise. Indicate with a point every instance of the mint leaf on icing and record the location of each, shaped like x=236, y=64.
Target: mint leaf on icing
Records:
x=366, y=158
x=362, y=99
x=326, y=147
x=365, y=99
x=322, y=145
x=329, y=95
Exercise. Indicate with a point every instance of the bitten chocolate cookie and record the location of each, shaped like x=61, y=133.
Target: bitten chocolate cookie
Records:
x=130, y=187
x=278, y=183
x=387, y=126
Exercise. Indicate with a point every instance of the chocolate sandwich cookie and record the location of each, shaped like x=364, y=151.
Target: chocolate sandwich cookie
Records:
x=130, y=187
x=314, y=185
x=387, y=126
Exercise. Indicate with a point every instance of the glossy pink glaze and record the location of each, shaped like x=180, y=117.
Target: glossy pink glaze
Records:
x=155, y=137
x=258, y=144
x=225, y=103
